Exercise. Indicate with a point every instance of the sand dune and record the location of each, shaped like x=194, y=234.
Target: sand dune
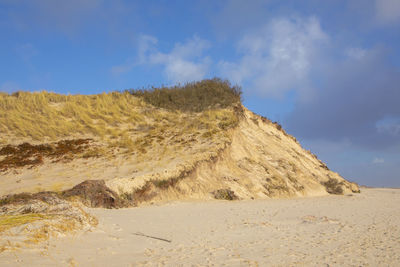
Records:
x=168, y=155
x=353, y=230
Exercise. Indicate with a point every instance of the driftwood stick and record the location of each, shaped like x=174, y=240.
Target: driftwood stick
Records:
x=154, y=237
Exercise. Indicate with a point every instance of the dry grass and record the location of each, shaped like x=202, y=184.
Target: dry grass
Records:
x=10, y=221
x=193, y=97
x=333, y=186
x=120, y=124
x=31, y=218
x=42, y=115
x=49, y=229
x=121, y=119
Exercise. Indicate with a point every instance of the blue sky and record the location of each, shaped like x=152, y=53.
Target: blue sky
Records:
x=328, y=71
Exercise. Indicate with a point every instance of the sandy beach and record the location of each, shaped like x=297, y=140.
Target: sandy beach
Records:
x=352, y=230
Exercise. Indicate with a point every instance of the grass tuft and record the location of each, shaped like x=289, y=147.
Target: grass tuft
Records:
x=10, y=221
x=333, y=186
x=194, y=96
x=225, y=194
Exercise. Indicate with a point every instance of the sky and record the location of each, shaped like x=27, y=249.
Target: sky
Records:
x=328, y=71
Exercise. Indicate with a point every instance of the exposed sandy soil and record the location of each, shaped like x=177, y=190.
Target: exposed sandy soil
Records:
x=352, y=230
x=256, y=159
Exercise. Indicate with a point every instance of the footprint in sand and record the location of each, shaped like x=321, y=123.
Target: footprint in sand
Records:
x=314, y=219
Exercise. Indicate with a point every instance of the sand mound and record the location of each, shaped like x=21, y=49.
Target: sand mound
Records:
x=95, y=194
x=26, y=219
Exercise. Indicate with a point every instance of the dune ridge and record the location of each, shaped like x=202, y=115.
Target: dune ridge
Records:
x=123, y=149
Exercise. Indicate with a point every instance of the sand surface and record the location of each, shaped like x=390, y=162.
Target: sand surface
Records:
x=354, y=230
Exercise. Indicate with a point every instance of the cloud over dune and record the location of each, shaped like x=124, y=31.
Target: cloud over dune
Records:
x=185, y=62
x=278, y=57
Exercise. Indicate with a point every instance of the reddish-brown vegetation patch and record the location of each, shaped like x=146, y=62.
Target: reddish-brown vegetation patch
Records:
x=31, y=155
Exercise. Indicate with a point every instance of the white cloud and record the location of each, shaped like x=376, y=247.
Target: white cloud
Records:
x=278, y=57
x=180, y=70
x=387, y=11
x=184, y=63
x=146, y=45
x=378, y=160
x=356, y=53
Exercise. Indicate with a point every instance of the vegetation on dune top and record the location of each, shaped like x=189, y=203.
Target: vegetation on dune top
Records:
x=134, y=121
x=194, y=96
x=43, y=114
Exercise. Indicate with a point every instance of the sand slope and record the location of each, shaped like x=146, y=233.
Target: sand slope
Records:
x=260, y=161
x=354, y=230
x=256, y=159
